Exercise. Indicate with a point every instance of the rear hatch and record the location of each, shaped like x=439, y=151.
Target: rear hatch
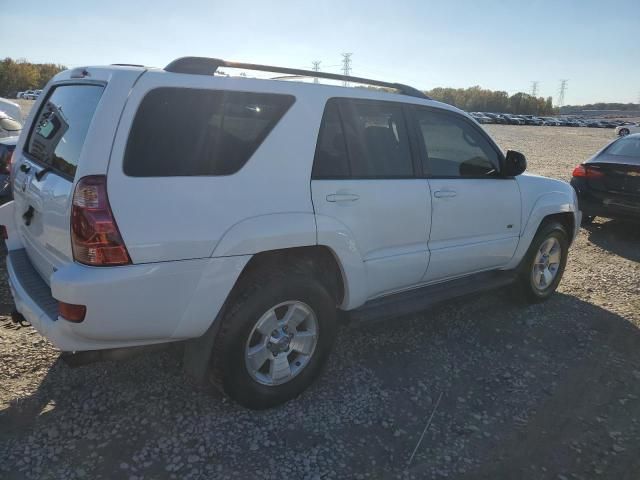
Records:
x=68, y=135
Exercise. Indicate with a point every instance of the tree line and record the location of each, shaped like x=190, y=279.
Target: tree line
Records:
x=476, y=99
x=20, y=75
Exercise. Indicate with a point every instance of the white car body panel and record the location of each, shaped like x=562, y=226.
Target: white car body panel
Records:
x=475, y=230
x=630, y=128
x=388, y=223
x=11, y=108
x=190, y=238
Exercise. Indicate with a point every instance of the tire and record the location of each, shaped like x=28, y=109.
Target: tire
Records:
x=623, y=132
x=553, y=235
x=241, y=346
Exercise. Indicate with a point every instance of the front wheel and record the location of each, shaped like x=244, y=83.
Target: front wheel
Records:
x=623, y=132
x=275, y=338
x=544, y=264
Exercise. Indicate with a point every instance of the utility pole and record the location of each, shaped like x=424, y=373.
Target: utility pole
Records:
x=563, y=90
x=346, y=66
x=316, y=68
x=534, y=88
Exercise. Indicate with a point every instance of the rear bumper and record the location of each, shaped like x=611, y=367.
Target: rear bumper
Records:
x=608, y=205
x=126, y=306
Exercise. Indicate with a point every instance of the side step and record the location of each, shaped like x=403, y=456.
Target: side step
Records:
x=422, y=298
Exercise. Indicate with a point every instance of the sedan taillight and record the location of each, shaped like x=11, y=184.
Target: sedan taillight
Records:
x=587, y=172
x=95, y=238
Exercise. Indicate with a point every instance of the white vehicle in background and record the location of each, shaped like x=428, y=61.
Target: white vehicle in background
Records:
x=11, y=109
x=292, y=202
x=9, y=127
x=30, y=95
x=19, y=95
x=623, y=130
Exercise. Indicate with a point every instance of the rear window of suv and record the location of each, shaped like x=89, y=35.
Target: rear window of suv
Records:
x=61, y=126
x=192, y=132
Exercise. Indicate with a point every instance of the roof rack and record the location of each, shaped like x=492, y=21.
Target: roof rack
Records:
x=209, y=66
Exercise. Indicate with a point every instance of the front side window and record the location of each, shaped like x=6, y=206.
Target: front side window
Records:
x=61, y=126
x=191, y=132
x=454, y=148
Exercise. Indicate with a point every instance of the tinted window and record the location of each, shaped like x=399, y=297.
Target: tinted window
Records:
x=454, y=147
x=625, y=147
x=377, y=140
x=331, y=159
x=61, y=126
x=187, y=132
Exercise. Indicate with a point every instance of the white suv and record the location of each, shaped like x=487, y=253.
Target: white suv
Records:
x=158, y=205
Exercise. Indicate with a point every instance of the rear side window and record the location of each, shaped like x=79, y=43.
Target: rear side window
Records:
x=61, y=126
x=190, y=132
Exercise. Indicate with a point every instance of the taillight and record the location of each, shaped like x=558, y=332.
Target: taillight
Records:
x=71, y=312
x=95, y=238
x=587, y=172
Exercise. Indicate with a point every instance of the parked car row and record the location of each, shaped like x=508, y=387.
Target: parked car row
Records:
x=512, y=119
x=29, y=94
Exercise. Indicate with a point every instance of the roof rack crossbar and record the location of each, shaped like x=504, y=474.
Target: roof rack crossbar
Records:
x=209, y=66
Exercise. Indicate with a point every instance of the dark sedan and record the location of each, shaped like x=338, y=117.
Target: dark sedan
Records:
x=608, y=184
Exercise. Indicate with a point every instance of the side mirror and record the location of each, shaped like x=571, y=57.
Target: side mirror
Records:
x=514, y=164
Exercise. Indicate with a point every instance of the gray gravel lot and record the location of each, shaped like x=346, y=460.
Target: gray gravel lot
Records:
x=545, y=391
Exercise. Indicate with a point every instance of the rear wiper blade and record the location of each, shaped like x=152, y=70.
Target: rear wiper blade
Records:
x=43, y=172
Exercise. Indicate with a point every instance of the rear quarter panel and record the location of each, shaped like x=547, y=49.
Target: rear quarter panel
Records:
x=175, y=218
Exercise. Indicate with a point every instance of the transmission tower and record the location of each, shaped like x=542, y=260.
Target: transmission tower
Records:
x=346, y=66
x=563, y=90
x=316, y=68
x=534, y=88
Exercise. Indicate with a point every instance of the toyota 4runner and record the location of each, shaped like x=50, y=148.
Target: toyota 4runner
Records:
x=243, y=214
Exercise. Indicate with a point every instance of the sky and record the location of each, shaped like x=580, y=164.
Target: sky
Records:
x=501, y=45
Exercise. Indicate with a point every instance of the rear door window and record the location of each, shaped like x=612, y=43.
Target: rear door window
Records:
x=377, y=139
x=61, y=126
x=193, y=132
x=331, y=160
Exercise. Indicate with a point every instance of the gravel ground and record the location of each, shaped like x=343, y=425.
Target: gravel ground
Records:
x=511, y=391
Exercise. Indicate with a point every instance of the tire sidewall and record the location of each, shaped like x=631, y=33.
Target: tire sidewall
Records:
x=237, y=381
x=558, y=232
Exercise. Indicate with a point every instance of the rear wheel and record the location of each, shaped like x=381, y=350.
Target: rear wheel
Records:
x=544, y=264
x=623, y=131
x=274, y=339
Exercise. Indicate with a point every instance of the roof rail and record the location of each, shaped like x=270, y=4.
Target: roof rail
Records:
x=209, y=66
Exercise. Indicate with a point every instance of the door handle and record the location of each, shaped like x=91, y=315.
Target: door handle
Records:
x=342, y=197
x=445, y=193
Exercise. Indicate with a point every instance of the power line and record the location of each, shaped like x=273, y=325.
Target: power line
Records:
x=534, y=88
x=563, y=89
x=346, y=66
x=316, y=68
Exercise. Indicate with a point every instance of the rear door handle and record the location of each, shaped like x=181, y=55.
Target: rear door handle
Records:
x=342, y=197
x=445, y=193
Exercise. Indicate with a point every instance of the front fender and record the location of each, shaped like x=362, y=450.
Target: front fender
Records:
x=534, y=213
